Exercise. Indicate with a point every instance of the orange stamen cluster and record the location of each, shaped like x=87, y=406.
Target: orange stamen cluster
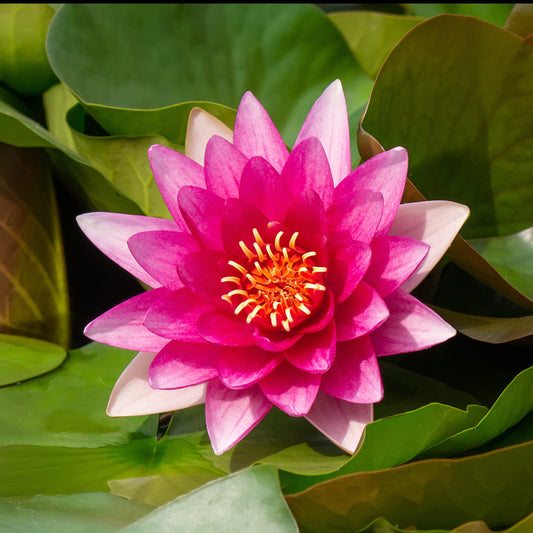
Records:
x=278, y=285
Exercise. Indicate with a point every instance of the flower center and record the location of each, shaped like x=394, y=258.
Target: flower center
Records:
x=277, y=286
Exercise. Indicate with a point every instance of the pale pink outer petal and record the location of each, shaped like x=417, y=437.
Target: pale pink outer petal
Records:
x=133, y=396
x=123, y=325
x=384, y=173
x=255, y=133
x=341, y=422
x=182, y=364
x=200, y=128
x=172, y=171
x=328, y=121
x=411, y=326
x=231, y=414
x=110, y=232
x=435, y=223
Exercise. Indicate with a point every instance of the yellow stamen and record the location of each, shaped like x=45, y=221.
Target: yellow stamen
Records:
x=231, y=279
x=240, y=268
x=277, y=241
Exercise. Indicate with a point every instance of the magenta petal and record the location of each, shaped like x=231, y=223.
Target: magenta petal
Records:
x=361, y=313
x=123, y=325
x=133, y=396
x=354, y=376
x=308, y=168
x=273, y=341
x=412, y=326
x=341, y=422
x=175, y=316
x=172, y=171
x=182, y=364
x=348, y=263
x=328, y=121
x=322, y=317
x=239, y=368
x=110, y=233
x=231, y=414
x=158, y=252
x=255, y=133
x=394, y=259
x=263, y=187
x=225, y=329
x=315, y=352
x=200, y=273
x=384, y=173
x=202, y=211
x=355, y=216
x=291, y=389
x=223, y=167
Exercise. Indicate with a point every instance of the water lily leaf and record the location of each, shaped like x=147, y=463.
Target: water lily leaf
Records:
x=495, y=13
x=73, y=413
x=459, y=105
x=248, y=501
x=75, y=513
x=34, y=300
x=514, y=403
x=520, y=20
x=371, y=36
x=23, y=358
x=23, y=63
x=244, y=47
x=511, y=256
x=438, y=493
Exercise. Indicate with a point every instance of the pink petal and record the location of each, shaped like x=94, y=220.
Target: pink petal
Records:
x=200, y=273
x=158, y=252
x=384, y=173
x=183, y=364
x=291, y=389
x=223, y=167
x=412, y=326
x=273, y=341
x=175, y=316
x=239, y=368
x=231, y=414
x=225, y=329
x=202, y=211
x=435, y=223
x=361, y=313
x=321, y=317
x=200, y=128
x=328, y=121
x=172, y=171
x=341, y=422
x=123, y=325
x=394, y=259
x=110, y=232
x=255, y=133
x=133, y=396
x=354, y=376
x=263, y=187
x=348, y=263
x=315, y=352
x=356, y=216
x=308, y=168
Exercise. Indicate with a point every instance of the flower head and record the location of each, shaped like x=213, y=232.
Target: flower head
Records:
x=280, y=279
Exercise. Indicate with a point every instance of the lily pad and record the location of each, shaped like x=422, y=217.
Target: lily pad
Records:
x=22, y=358
x=459, y=105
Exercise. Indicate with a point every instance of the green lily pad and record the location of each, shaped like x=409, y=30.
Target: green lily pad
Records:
x=456, y=92
x=495, y=13
x=371, y=36
x=438, y=493
x=23, y=63
x=23, y=358
x=248, y=501
x=75, y=513
x=34, y=300
x=285, y=54
x=511, y=256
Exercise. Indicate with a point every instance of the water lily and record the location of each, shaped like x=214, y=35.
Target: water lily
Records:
x=280, y=279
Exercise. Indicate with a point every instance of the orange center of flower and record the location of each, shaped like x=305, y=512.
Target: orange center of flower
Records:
x=277, y=286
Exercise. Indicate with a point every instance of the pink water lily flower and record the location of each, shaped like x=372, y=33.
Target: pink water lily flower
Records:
x=280, y=279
